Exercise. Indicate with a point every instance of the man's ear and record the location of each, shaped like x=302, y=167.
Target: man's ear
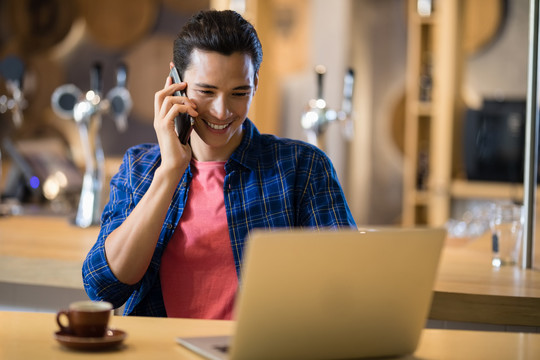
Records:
x=256, y=82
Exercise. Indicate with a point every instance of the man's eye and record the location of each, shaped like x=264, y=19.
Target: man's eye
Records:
x=241, y=94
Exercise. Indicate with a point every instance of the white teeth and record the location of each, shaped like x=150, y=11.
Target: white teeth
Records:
x=217, y=127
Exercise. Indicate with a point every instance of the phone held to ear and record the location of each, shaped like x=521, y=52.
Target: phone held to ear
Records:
x=183, y=122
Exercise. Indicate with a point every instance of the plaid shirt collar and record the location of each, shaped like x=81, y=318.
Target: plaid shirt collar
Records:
x=248, y=150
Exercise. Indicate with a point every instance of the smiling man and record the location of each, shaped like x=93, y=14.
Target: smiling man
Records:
x=174, y=229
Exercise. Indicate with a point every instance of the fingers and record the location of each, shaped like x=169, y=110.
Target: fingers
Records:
x=165, y=99
x=167, y=106
x=168, y=90
x=177, y=105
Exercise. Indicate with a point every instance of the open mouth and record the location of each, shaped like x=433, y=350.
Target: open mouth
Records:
x=216, y=126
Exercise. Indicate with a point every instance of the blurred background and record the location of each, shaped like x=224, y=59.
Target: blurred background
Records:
x=436, y=128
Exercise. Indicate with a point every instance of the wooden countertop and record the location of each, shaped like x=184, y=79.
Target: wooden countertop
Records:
x=30, y=336
x=469, y=288
x=49, y=251
x=43, y=251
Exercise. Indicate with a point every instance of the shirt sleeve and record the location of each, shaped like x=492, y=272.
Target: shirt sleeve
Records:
x=99, y=281
x=323, y=203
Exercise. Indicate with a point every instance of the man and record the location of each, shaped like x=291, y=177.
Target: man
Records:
x=173, y=232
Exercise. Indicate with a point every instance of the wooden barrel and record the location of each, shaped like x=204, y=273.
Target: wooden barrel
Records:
x=118, y=24
x=36, y=25
x=483, y=22
x=187, y=6
x=148, y=64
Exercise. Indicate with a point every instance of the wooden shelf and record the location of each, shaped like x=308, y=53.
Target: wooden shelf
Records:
x=421, y=108
x=419, y=19
x=434, y=58
x=422, y=197
x=464, y=189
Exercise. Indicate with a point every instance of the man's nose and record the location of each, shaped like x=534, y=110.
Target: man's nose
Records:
x=220, y=109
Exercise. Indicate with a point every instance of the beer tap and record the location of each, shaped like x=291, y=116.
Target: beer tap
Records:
x=119, y=99
x=12, y=70
x=87, y=109
x=87, y=114
x=318, y=116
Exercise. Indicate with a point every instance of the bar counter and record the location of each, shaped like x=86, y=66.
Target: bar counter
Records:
x=48, y=251
x=30, y=336
x=469, y=289
x=43, y=250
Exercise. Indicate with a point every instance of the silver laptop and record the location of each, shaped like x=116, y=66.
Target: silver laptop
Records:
x=330, y=295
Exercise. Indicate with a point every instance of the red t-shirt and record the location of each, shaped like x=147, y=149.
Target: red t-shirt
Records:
x=198, y=276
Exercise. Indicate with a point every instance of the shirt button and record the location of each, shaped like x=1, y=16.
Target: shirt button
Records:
x=169, y=226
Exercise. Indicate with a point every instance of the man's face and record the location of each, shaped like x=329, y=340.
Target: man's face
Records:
x=222, y=87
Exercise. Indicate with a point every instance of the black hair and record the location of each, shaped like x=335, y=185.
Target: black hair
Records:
x=225, y=32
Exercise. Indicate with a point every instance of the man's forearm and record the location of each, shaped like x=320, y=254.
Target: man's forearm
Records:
x=129, y=248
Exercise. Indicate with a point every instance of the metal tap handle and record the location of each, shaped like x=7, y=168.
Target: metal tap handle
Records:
x=121, y=75
x=348, y=89
x=12, y=69
x=96, y=82
x=120, y=102
x=320, y=70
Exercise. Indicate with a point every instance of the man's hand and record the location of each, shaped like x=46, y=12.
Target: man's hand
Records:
x=174, y=155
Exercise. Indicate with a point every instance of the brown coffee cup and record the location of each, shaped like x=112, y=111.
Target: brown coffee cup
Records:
x=85, y=318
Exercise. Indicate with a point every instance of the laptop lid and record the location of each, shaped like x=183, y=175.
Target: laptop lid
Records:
x=332, y=294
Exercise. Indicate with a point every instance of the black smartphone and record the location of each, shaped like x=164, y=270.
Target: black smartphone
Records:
x=182, y=122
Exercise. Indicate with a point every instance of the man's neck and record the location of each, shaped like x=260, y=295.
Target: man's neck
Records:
x=204, y=152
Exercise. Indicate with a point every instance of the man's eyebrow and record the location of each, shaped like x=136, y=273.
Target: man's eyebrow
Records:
x=243, y=87
x=208, y=86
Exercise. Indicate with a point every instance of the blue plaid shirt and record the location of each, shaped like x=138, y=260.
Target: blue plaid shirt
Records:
x=270, y=182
